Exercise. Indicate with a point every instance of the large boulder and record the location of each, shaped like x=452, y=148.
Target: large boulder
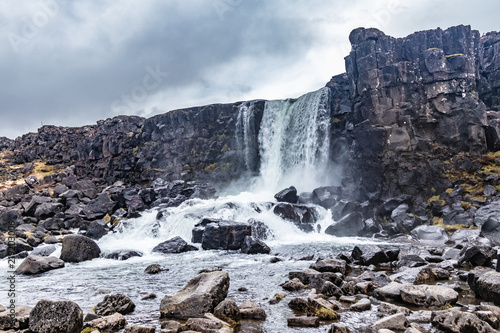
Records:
x=37, y=264
x=489, y=211
x=302, y=216
x=428, y=295
x=369, y=255
x=225, y=235
x=287, y=195
x=78, y=248
x=430, y=234
x=349, y=226
x=252, y=245
x=115, y=303
x=330, y=265
x=457, y=321
x=56, y=317
x=200, y=295
x=491, y=230
x=325, y=196
x=174, y=245
x=487, y=286
x=477, y=254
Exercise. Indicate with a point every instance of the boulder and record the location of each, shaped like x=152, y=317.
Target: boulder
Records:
x=154, y=269
x=96, y=229
x=491, y=230
x=339, y=328
x=250, y=310
x=99, y=207
x=200, y=295
x=252, y=245
x=287, y=195
x=174, y=245
x=390, y=308
x=303, y=321
x=428, y=295
x=350, y=225
x=37, y=264
x=43, y=251
x=10, y=218
x=225, y=235
x=115, y=303
x=459, y=321
x=293, y=285
x=430, y=234
x=302, y=216
x=396, y=322
x=477, y=255
x=483, y=214
x=123, y=255
x=16, y=318
x=56, y=317
x=391, y=291
x=330, y=265
x=362, y=305
x=369, y=255
x=48, y=209
x=228, y=310
x=78, y=248
x=87, y=187
x=325, y=196
x=487, y=287
x=259, y=229
x=112, y=322
x=139, y=329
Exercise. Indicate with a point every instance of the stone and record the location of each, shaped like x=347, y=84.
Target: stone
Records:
x=48, y=209
x=154, y=269
x=491, y=230
x=390, y=308
x=225, y=235
x=115, y=321
x=139, y=329
x=293, y=285
x=459, y=321
x=250, y=310
x=486, y=212
x=430, y=234
x=200, y=295
x=489, y=317
x=302, y=216
x=96, y=230
x=115, y=303
x=369, y=255
x=287, y=195
x=99, y=207
x=350, y=225
x=477, y=255
x=362, y=305
x=339, y=328
x=37, y=264
x=330, y=265
x=170, y=326
x=299, y=304
x=59, y=316
x=228, y=310
x=19, y=320
x=174, y=245
x=303, y=322
x=428, y=295
x=394, y=322
x=252, y=245
x=391, y=291
x=278, y=297
x=78, y=248
x=325, y=196
x=43, y=251
x=123, y=255
x=487, y=287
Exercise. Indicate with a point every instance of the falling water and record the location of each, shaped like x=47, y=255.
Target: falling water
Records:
x=294, y=142
x=245, y=126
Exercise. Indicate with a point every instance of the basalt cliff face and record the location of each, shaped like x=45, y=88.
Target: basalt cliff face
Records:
x=403, y=107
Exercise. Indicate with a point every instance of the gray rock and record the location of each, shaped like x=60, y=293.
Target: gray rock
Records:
x=43, y=251
x=459, y=321
x=487, y=287
x=362, y=305
x=486, y=212
x=339, y=328
x=115, y=303
x=112, y=322
x=252, y=245
x=20, y=319
x=330, y=265
x=303, y=322
x=174, y=245
x=369, y=255
x=123, y=255
x=430, y=234
x=349, y=226
x=391, y=291
x=394, y=322
x=37, y=265
x=428, y=295
x=59, y=316
x=200, y=295
x=139, y=329
x=228, y=310
x=392, y=309
x=78, y=248
x=250, y=310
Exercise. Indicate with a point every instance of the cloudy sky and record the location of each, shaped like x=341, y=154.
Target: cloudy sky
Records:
x=73, y=62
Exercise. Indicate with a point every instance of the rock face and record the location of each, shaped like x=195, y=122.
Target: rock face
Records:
x=77, y=248
x=56, y=317
x=202, y=294
x=37, y=264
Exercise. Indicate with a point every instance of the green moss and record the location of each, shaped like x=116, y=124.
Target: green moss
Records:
x=446, y=306
x=335, y=120
x=193, y=151
x=135, y=150
x=210, y=168
x=225, y=148
x=326, y=314
x=89, y=330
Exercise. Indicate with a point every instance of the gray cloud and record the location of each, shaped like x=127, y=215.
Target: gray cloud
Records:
x=85, y=59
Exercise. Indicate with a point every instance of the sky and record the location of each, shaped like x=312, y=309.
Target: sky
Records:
x=74, y=62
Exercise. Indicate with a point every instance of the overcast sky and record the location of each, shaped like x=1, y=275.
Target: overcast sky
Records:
x=73, y=62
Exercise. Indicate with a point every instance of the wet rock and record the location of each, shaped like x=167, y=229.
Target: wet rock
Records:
x=303, y=322
x=200, y=295
x=392, y=291
x=139, y=329
x=154, y=269
x=369, y=255
x=476, y=255
x=325, y=196
x=228, y=310
x=115, y=303
x=339, y=328
x=430, y=234
x=487, y=287
x=486, y=212
x=491, y=230
x=37, y=264
x=174, y=245
x=99, y=207
x=78, y=248
x=278, y=297
x=362, y=305
x=299, y=304
x=59, y=316
x=428, y=295
x=293, y=285
x=123, y=255
x=392, y=309
x=459, y=321
x=19, y=320
x=330, y=265
x=397, y=322
x=170, y=326
x=252, y=245
x=430, y=274
x=250, y=310
x=96, y=229
x=259, y=229
x=148, y=296
x=302, y=216
x=43, y=251
x=349, y=226
x=489, y=317
x=287, y=195
x=87, y=187
x=225, y=235
x=112, y=322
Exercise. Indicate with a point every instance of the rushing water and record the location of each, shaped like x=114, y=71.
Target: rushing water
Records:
x=294, y=145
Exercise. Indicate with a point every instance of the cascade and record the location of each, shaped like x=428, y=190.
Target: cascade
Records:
x=245, y=126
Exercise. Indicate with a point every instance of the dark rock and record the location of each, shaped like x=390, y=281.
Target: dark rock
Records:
x=330, y=265
x=491, y=230
x=96, y=230
x=293, y=285
x=10, y=219
x=43, y=251
x=287, y=195
x=477, y=255
x=202, y=294
x=154, y=269
x=259, y=229
x=302, y=216
x=411, y=260
x=369, y=255
x=228, y=310
x=430, y=234
x=77, y=248
x=299, y=304
x=99, y=207
x=174, y=245
x=487, y=286
x=115, y=303
x=139, y=329
x=19, y=320
x=59, y=316
x=391, y=291
x=303, y=322
x=339, y=328
x=252, y=245
x=123, y=255
x=486, y=212
x=349, y=226
x=87, y=187
x=48, y=209
x=225, y=235
x=325, y=196
x=250, y=310
x=113, y=322
x=36, y=265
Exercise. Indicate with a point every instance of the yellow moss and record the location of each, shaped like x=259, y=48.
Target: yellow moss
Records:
x=130, y=135
x=465, y=205
x=432, y=48
x=335, y=120
x=107, y=218
x=89, y=330
x=135, y=150
x=28, y=234
x=225, y=148
x=437, y=220
x=454, y=55
x=210, y=168
x=326, y=314
x=193, y=151
x=449, y=190
x=446, y=306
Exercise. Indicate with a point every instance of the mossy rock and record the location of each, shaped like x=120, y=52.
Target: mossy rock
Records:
x=326, y=314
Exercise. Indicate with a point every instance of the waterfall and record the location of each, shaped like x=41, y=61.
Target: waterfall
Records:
x=294, y=142
x=245, y=126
